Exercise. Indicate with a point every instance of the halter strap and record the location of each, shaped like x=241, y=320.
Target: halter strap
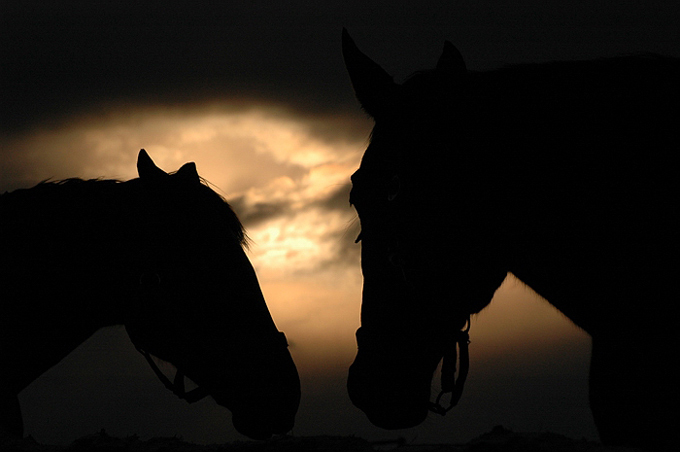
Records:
x=176, y=386
x=448, y=380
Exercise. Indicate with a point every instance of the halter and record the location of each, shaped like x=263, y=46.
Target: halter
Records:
x=448, y=379
x=151, y=281
x=177, y=385
x=460, y=340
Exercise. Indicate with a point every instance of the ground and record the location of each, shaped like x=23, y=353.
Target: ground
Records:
x=497, y=440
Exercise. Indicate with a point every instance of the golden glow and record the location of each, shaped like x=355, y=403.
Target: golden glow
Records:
x=285, y=175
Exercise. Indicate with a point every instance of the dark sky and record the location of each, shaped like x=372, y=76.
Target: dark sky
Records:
x=61, y=56
x=61, y=60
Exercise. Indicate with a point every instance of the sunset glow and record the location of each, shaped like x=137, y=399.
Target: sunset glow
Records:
x=283, y=181
x=289, y=186
x=259, y=96
x=288, y=180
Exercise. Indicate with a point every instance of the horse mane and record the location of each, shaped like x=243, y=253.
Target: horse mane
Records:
x=49, y=194
x=632, y=61
x=232, y=220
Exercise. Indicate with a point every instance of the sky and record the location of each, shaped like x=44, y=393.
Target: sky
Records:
x=256, y=94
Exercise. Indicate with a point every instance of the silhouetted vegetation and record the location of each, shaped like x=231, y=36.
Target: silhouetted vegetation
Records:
x=498, y=439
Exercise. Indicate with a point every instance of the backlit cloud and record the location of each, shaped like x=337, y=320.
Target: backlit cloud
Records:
x=286, y=176
x=257, y=95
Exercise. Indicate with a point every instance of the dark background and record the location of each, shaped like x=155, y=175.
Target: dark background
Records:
x=60, y=60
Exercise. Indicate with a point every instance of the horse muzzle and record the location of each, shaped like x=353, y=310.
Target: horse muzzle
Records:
x=388, y=400
x=269, y=410
x=264, y=414
x=262, y=425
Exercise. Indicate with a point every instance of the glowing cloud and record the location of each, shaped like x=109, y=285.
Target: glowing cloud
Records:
x=283, y=177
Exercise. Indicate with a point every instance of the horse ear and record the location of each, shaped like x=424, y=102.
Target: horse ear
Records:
x=451, y=62
x=188, y=173
x=146, y=168
x=374, y=88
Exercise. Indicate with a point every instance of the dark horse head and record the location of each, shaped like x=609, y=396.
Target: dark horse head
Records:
x=201, y=306
x=162, y=254
x=562, y=173
x=408, y=322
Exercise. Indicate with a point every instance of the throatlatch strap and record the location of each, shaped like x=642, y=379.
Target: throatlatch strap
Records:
x=449, y=382
x=177, y=386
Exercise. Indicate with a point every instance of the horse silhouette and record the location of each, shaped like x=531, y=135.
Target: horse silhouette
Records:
x=163, y=255
x=564, y=174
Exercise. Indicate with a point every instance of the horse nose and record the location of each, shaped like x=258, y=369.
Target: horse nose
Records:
x=261, y=426
x=270, y=410
x=387, y=402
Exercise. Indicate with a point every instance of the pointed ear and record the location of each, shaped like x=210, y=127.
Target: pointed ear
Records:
x=451, y=62
x=188, y=173
x=147, y=169
x=374, y=87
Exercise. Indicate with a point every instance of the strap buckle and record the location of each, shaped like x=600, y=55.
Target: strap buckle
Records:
x=177, y=385
x=449, y=382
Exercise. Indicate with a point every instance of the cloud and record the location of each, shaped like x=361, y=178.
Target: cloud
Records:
x=315, y=235
x=257, y=95
x=250, y=144
x=300, y=230
x=286, y=178
x=261, y=212
x=279, y=172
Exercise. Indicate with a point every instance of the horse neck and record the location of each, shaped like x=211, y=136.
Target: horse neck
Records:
x=53, y=312
x=548, y=165
x=68, y=247
x=64, y=276
x=565, y=229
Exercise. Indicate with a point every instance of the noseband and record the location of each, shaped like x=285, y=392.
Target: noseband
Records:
x=459, y=341
x=177, y=385
x=449, y=382
x=150, y=282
